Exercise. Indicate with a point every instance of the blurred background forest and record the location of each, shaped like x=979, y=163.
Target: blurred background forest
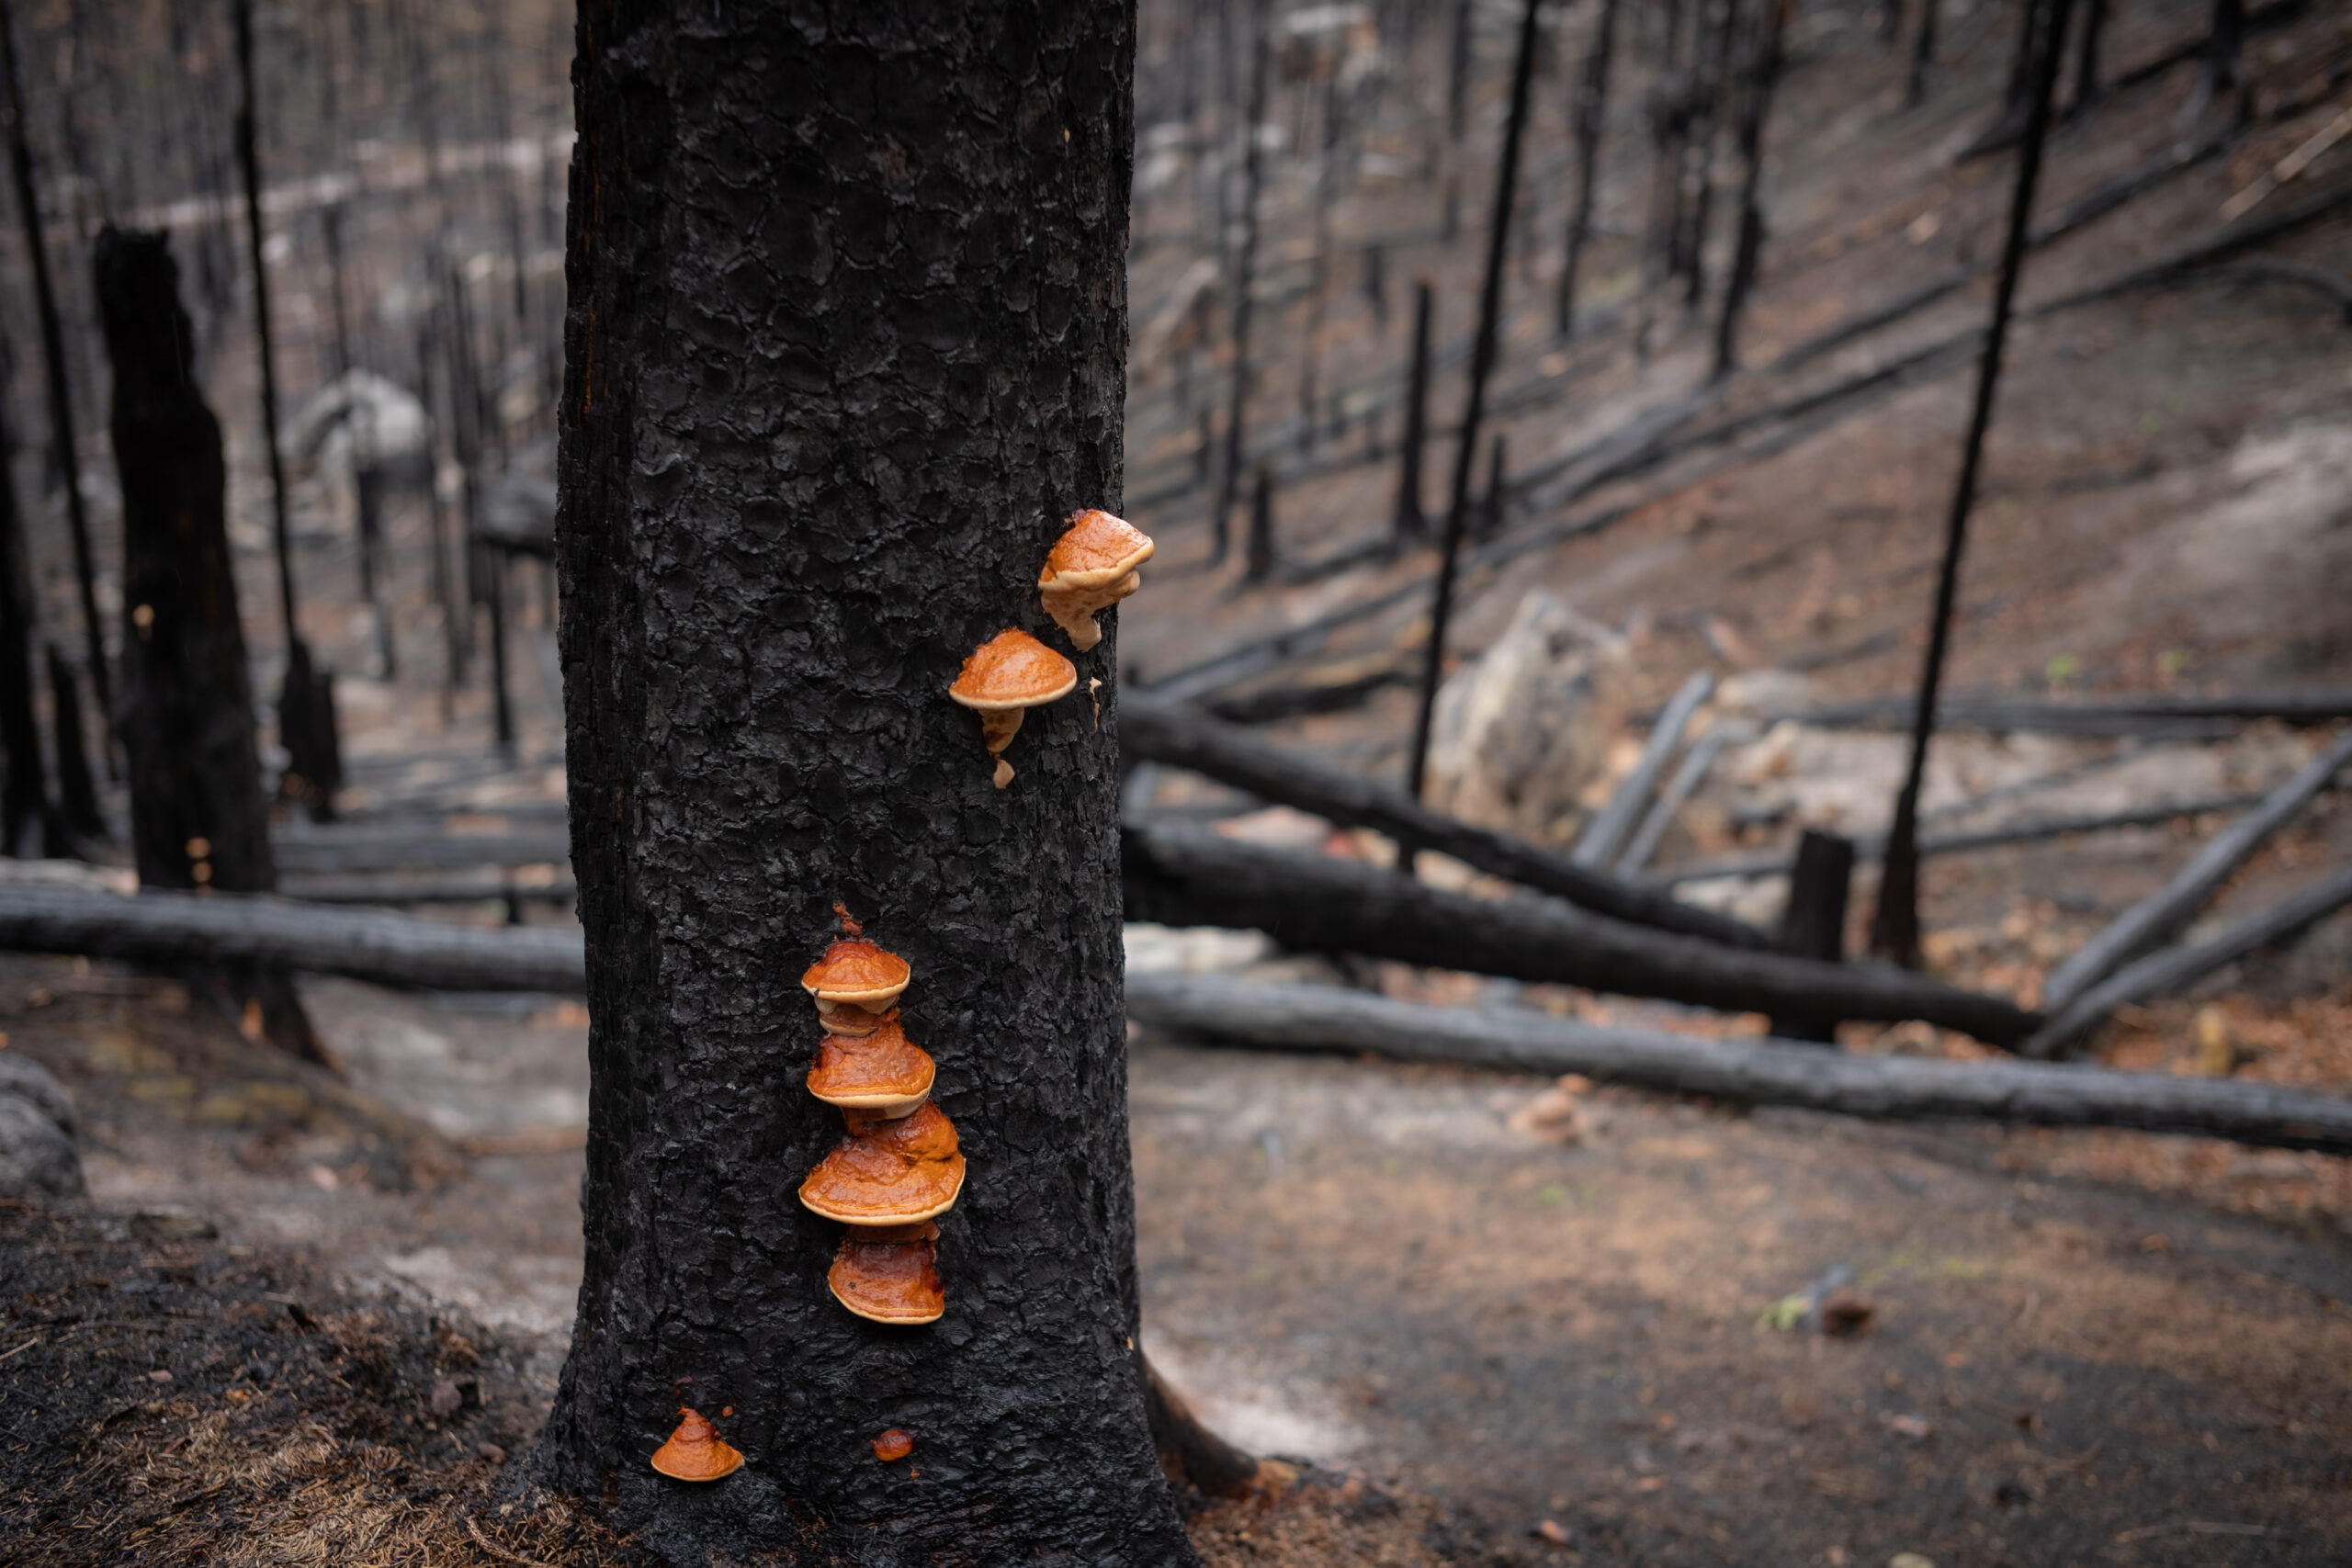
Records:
x=1724, y=321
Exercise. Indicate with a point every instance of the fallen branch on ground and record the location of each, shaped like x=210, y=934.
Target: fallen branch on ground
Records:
x=2159, y=916
x=1184, y=876
x=187, y=928
x=1996, y=715
x=2175, y=968
x=1765, y=1072
x=366, y=850
x=1177, y=737
x=1870, y=846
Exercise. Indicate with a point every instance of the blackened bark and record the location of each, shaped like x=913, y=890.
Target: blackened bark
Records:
x=1923, y=55
x=66, y=449
x=1483, y=352
x=1245, y=267
x=198, y=816
x=1258, y=562
x=78, y=794
x=1813, y=923
x=845, y=345
x=249, y=166
x=1764, y=74
x=1411, y=521
x=1894, y=924
x=24, y=788
x=1591, y=116
x=2087, y=82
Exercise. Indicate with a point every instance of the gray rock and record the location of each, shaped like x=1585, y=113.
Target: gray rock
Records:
x=27, y=1079
x=36, y=1159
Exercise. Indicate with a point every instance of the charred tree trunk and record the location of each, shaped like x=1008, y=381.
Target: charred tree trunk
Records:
x=929, y=205
x=25, y=818
x=2086, y=83
x=1894, y=926
x=1412, y=520
x=66, y=449
x=1591, y=117
x=2226, y=69
x=1259, y=558
x=1244, y=270
x=1923, y=55
x=1482, y=363
x=1748, y=250
x=78, y=794
x=1813, y=923
x=198, y=816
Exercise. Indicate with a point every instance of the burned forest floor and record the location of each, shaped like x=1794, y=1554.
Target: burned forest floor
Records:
x=301, y=1320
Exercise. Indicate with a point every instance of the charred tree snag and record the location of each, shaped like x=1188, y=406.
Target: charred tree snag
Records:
x=26, y=818
x=1923, y=56
x=310, y=767
x=1748, y=250
x=63, y=445
x=1591, y=117
x=1244, y=277
x=1482, y=365
x=78, y=794
x=1813, y=923
x=197, y=814
x=2087, y=87
x=1894, y=927
x=844, y=347
x=1412, y=520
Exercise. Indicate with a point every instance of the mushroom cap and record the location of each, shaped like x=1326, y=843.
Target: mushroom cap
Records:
x=696, y=1451
x=883, y=1072
x=855, y=970
x=1012, y=670
x=889, y=1274
x=1096, y=548
x=888, y=1173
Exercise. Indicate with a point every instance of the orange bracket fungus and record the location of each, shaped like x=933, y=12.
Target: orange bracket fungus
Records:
x=894, y=1444
x=898, y=1169
x=855, y=982
x=1008, y=673
x=888, y=1173
x=880, y=1072
x=1092, y=566
x=889, y=1273
x=696, y=1451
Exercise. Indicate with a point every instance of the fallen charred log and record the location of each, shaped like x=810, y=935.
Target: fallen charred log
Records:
x=1177, y=737
x=1185, y=877
x=1751, y=1072
x=218, y=928
x=359, y=850
x=2174, y=968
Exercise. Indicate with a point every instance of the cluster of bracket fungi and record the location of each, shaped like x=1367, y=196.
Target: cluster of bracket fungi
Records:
x=1092, y=566
x=897, y=1169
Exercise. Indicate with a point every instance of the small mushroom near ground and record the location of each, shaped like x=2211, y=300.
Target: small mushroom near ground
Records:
x=894, y=1445
x=1006, y=676
x=889, y=1273
x=1092, y=566
x=888, y=1173
x=696, y=1451
x=881, y=1072
x=856, y=976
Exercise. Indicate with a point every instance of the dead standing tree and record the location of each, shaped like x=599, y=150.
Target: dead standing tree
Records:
x=26, y=816
x=1482, y=363
x=306, y=700
x=1591, y=116
x=1894, y=927
x=846, y=339
x=1245, y=268
x=64, y=447
x=197, y=814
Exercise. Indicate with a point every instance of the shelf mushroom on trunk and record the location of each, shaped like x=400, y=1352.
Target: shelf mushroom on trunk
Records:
x=1006, y=676
x=1092, y=566
x=696, y=1451
x=898, y=1167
